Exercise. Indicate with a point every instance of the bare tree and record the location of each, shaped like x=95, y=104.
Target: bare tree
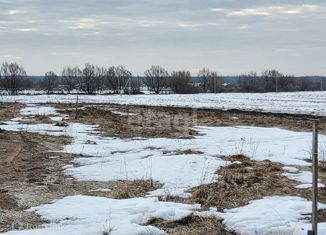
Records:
x=70, y=76
x=124, y=77
x=210, y=80
x=111, y=80
x=49, y=81
x=87, y=80
x=272, y=80
x=250, y=82
x=117, y=79
x=180, y=82
x=101, y=74
x=203, y=76
x=11, y=77
x=156, y=78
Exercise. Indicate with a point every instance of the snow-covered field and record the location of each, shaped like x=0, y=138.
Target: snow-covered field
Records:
x=110, y=159
x=284, y=102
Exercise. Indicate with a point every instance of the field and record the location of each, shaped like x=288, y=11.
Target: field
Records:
x=284, y=102
x=160, y=164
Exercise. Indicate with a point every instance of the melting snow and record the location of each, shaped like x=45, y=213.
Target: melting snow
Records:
x=87, y=215
x=106, y=158
x=272, y=215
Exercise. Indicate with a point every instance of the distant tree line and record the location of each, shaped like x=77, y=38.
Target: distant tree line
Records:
x=274, y=81
x=92, y=79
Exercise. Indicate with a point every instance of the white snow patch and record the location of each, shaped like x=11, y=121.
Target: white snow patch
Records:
x=272, y=215
x=290, y=169
x=101, y=190
x=123, y=113
x=304, y=177
x=86, y=215
x=56, y=119
x=32, y=110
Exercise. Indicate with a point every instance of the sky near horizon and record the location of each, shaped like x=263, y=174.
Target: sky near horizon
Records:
x=229, y=36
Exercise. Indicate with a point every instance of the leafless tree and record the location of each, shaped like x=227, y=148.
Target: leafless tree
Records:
x=272, y=80
x=250, y=82
x=203, y=76
x=117, y=79
x=180, y=82
x=111, y=80
x=87, y=80
x=124, y=77
x=210, y=80
x=101, y=74
x=11, y=77
x=50, y=81
x=70, y=76
x=156, y=78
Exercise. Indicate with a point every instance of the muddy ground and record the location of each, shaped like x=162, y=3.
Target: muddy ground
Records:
x=31, y=172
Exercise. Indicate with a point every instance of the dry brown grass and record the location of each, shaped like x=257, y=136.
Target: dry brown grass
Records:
x=43, y=119
x=131, y=189
x=192, y=225
x=9, y=110
x=147, y=122
x=240, y=183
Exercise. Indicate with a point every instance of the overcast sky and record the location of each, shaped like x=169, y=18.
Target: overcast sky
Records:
x=230, y=36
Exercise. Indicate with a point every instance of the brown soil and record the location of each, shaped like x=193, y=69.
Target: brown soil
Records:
x=9, y=110
x=177, y=122
x=146, y=122
x=192, y=225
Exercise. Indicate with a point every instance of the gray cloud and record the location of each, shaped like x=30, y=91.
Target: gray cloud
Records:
x=231, y=36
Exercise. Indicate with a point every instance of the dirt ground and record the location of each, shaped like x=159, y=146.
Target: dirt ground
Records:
x=31, y=171
x=169, y=122
x=9, y=110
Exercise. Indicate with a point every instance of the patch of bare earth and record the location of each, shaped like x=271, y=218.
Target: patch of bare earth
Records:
x=9, y=110
x=172, y=122
x=128, y=122
x=192, y=225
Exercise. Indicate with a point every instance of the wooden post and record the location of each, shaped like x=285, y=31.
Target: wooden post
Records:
x=76, y=113
x=314, y=219
x=321, y=84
